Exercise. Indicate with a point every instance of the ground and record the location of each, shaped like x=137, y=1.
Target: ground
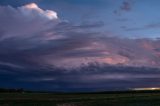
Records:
x=95, y=99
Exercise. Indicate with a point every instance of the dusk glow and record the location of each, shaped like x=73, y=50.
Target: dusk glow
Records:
x=80, y=45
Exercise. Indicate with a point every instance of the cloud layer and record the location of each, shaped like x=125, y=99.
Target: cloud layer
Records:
x=90, y=78
x=34, y=41
x=32, y=36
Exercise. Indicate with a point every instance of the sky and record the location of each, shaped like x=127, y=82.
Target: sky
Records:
x=79, y=45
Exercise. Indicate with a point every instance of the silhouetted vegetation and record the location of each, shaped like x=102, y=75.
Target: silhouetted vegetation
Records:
x=5, y=90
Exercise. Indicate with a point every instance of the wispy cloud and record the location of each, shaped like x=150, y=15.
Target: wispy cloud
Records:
x=145, y=27
x=125, y=6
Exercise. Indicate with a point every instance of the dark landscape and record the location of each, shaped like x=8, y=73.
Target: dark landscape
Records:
x=109, y=98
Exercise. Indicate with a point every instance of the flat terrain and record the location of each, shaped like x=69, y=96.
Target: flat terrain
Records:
x=50, y=99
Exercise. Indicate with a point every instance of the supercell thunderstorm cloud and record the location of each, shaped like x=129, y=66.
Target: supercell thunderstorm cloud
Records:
x=45, y=47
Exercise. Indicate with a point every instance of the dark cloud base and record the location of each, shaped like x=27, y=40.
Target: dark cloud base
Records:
x=88, y=78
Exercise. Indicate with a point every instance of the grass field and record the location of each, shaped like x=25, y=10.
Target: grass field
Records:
x=49, y=99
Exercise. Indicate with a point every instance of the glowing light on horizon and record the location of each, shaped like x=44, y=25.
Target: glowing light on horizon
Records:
x=146, y=89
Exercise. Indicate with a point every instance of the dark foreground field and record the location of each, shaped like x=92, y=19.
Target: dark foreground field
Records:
x=50, y=99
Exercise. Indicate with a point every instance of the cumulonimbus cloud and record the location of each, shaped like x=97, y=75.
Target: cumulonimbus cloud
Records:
x=34, y=42
x=31, y=36
x=25, y=20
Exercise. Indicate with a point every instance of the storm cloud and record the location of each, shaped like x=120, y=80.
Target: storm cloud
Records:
x=36, y=45
x=30, y=35
x=91, y=78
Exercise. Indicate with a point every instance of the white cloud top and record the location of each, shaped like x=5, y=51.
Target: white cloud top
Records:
x=28, y=20
x=32, y=9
